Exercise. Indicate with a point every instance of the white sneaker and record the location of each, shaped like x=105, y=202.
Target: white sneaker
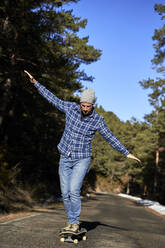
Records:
x=75, y=228
x=67, y=228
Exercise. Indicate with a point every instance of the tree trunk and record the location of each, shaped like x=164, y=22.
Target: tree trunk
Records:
x=5, y=99
x=145, y=191
x=128, y=188
x=156, y=170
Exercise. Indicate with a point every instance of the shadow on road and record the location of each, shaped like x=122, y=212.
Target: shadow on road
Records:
x=92, y=225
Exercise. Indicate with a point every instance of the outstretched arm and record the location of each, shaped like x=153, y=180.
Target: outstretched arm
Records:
x=114, y=142
x=51, y=98
x=104, y=130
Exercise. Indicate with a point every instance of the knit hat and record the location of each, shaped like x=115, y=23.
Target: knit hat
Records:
x=88, y=95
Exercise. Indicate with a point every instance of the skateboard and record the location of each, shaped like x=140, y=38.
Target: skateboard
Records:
x=72, y=237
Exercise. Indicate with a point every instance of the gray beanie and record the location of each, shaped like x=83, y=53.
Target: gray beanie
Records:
x=88, y=95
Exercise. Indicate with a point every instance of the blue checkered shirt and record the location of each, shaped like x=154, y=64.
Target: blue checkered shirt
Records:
x=79, y=131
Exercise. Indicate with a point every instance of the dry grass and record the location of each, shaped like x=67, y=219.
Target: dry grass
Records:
x=104, y=184
x=14, y=216
x=14, y=199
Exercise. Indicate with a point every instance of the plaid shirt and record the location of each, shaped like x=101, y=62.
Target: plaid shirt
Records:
x=79, y=131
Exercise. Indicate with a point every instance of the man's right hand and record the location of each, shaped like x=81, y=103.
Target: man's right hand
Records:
x=31, y=78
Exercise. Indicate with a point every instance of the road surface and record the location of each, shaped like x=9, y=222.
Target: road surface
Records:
x=111, y=221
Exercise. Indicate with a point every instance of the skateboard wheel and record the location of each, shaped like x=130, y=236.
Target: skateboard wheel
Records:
x=62, y=239
x=84, y=238
x=75, y=241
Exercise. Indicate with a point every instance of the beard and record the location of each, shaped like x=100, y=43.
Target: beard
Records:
x=86, y=113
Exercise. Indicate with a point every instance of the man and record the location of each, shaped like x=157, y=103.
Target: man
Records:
x=75, y=147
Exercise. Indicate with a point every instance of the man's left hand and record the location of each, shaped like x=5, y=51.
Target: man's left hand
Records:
x=133, y=157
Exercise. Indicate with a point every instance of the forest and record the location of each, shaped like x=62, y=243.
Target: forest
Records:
x=43, y=38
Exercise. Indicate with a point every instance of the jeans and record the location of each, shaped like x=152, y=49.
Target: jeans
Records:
x=72, y=173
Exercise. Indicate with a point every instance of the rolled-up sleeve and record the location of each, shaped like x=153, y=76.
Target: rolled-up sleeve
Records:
x=111, y=138
x=55, y=101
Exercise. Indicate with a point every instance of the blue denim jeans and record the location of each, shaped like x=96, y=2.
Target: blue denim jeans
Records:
x=72, y=173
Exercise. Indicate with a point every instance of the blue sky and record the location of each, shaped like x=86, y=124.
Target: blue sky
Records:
x=123, y=30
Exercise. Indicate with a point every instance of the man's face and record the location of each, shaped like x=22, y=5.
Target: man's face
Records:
x=86, y=108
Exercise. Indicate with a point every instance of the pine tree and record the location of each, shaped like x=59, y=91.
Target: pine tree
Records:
x=157, y=95
x=42, y=38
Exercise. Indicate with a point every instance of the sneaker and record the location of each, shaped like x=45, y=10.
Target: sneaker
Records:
x=68, y=227
x=75, y=228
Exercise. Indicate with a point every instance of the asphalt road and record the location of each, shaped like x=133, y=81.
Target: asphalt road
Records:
x=111, y=221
